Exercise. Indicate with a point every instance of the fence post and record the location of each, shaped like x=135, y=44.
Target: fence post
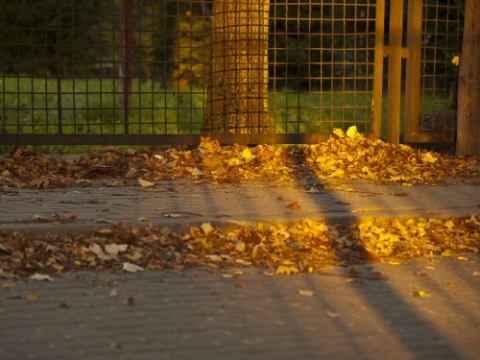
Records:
x=59, y=64
x=378, y=69
x=125, y=54
x=412, y=80
x=395, y=71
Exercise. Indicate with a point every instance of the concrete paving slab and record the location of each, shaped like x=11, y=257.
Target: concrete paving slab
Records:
x=371, y=313
x=213, y=314
x=181, y=203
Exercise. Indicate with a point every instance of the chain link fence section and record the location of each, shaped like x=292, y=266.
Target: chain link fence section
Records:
x=91, y=71
x=441, y=45
x=97, y=68
x=90, y=67
x=322, y=65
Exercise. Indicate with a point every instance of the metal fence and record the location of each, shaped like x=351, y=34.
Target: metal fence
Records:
x=434, y=34
x=151, y=72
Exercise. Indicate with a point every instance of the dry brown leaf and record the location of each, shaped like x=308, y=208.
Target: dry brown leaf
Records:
x=294, y=205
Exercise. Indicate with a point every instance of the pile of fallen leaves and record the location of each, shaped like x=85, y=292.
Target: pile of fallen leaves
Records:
x=343, y=156
x=302, y=247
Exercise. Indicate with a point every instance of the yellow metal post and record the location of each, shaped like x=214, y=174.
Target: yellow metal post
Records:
x=378, y=69
x=412, y=81
x=395, y=71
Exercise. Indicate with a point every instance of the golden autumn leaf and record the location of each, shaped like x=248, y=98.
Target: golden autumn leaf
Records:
x=420, y=293
x=287, y=270
x=351, y=132
x=144, y=183
x=306, y=292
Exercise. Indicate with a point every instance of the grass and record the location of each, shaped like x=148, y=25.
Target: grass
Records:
x=92, y=106
x=31, y=106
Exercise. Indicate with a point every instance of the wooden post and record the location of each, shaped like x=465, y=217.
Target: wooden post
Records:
x=237, y=99
x=413, y=71
x=468, y=123
x=376, y=128
x=395, y=72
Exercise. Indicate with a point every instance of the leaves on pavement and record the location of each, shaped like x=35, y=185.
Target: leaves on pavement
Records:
x=342, y=156
x=302, y=247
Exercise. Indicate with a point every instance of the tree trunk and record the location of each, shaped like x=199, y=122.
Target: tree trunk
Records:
x=237, y=99
x=468, y=124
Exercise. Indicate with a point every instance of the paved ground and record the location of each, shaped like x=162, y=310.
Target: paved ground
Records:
x=205, y=314
x=182, y=202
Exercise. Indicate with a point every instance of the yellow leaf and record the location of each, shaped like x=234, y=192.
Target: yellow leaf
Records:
x=305, y=292
x=240, y=246
x=339, y=133
x=243, y=262
x=352, y=131
x=428, y=158
x=456, y=60
x=145, y=183
x=287, y=270
x=247, y=155
x=420, y=293
x=214, y=257
x=449, y=224
x=332, y=314
x=234, y=162
x=207, y=228
x=197, y=172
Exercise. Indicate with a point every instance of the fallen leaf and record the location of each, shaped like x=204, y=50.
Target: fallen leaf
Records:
x=214, y=257
x=287, y=270
x=420, y=293
x=207, y=228
x=172, y=215
x=306, y=292
x=197, y=172
x=243, y=262
x=9, y=285
x=247, y=155
x=240, y=246
x=294, y=205
x=338, y=132
x=351, y=132
x=145, y=183
x=41, y=277
x=132, y=268
x=332, y=314
x=114, y=249
x=32, y=297
x=449, y=224
x=130, y=301
x=105, y=232
x=428, y=158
